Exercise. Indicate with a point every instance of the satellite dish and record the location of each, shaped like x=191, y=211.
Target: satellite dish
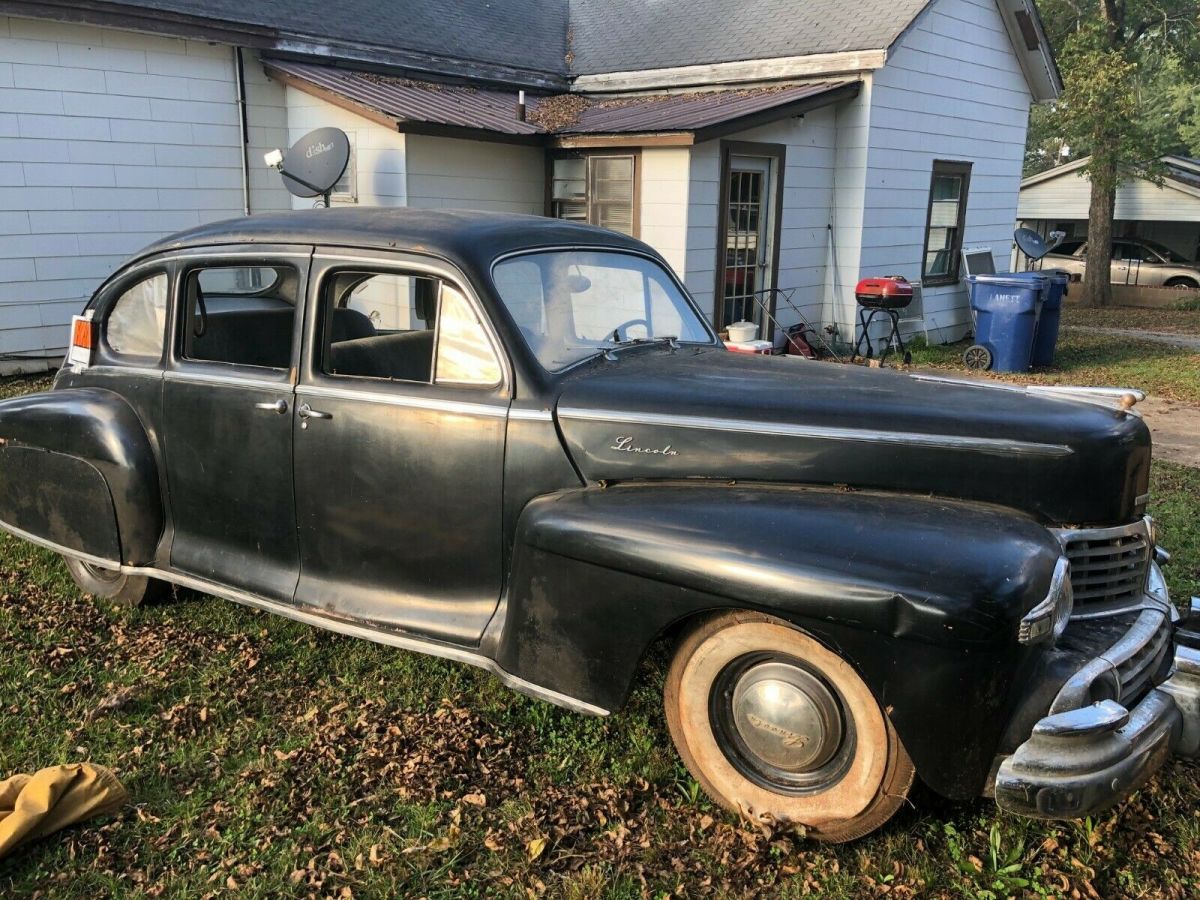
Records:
x=1033, y=244
x=316, y=162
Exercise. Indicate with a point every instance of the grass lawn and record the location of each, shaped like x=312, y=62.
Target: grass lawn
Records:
x=269, y=758
x=1099, y=359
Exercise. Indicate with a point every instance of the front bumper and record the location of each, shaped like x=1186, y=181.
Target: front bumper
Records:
x=1082, y=759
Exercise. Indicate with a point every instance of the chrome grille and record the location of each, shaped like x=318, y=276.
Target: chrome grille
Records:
x=1108, y=567
x=1136, y=671
x=1130, y=654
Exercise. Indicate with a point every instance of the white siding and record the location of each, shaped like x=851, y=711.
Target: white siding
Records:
x=951, y=90
x=664, y=203
x=108, y=140
x=704, y=197
x=804, y=237
x=1069, y=196
x=379, y=152
x=457, y=174
x=852, y=130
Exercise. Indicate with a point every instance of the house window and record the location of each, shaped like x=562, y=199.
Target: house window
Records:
x=944, y=225
x=346, y=189
x=595, y=188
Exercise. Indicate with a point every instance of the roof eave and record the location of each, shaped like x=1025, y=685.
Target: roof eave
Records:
x=1035, y=55
x=853, y=62
x=316, y=48
x=395, y=123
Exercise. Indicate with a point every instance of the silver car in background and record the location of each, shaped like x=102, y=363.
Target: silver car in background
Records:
x=1134, y=261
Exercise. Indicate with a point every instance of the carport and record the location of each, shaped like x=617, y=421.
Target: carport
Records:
x=1058, y=200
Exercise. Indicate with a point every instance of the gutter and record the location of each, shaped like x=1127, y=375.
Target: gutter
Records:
x=240, y=78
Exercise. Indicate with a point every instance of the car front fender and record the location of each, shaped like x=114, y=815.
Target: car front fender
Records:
x=77, y=471
x=923, y=596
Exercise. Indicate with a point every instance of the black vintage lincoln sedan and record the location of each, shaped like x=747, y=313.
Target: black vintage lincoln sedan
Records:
x=517, y=442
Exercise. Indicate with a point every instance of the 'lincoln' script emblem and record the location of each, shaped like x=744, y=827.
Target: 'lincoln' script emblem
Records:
x=790, y=738
x=626, y=445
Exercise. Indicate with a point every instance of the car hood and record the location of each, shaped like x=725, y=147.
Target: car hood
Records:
x=709, y=414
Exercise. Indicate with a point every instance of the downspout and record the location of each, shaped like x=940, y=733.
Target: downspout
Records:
x=240, y=77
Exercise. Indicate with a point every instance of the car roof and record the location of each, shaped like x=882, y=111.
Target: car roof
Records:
x=467, y=237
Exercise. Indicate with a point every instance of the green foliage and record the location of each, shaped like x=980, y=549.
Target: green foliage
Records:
x=1100, y=109
x=1131, y=75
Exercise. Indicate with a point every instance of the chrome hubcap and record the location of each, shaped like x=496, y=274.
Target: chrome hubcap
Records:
x=781, y=724
x=786, y=717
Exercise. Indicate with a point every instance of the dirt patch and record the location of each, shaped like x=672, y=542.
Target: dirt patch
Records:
x=1175, y=428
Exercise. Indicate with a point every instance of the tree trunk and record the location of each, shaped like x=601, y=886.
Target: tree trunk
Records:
x=1097, y=278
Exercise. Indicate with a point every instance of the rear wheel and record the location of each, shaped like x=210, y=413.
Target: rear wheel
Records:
x=977, y=357
x=117, y=587
x=783, y=731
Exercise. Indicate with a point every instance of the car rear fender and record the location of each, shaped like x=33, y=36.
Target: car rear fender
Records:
x=77, y=472
x=922, y=596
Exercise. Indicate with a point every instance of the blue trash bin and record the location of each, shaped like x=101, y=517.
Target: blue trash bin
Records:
x=1045, y=338
x=1006, y=310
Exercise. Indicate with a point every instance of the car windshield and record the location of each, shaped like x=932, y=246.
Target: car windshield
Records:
x=573, y=304
x=1166, y=252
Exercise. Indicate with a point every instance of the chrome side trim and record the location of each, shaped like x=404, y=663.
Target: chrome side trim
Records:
x=59, y=548
x=1067, y=535
x=1081, y=391
x=942, y=441
x=1108, y=397
x=114, y=371
x=351, y=629
x=531, y=415
x=226, y=380
x=461, y=407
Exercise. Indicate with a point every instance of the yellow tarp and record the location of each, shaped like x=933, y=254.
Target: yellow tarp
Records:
x=32, y=806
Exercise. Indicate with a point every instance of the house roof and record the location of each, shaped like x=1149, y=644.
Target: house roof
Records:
x=533, y=43
x=422, y=106
x=627, y=35
x=1179, y=172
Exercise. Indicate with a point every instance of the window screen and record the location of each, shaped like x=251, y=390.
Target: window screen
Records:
x=595, y=188
x=947, y=216
x=138, y=320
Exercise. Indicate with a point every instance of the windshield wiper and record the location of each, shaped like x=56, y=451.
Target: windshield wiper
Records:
x=669, y=339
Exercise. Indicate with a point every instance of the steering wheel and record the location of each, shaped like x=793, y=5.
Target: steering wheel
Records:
x=622, y=330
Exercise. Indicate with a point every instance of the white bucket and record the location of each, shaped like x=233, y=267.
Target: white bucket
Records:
x=740, y=332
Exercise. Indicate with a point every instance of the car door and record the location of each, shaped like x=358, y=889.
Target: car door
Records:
x=228, y=396
x=399, y=447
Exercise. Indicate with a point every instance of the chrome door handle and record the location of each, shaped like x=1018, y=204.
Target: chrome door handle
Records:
x=307, y=412
x=275, y=406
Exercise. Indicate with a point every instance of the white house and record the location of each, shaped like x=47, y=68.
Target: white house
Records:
x=756, y=144
x=1167, y=213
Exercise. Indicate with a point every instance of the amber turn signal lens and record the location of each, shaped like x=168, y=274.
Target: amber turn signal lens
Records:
x=82, y=335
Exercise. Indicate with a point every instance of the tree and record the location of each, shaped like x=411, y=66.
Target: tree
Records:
x=1111, y=49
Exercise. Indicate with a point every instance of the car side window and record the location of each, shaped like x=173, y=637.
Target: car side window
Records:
x=242, y=315
x=137, y=320
x=403, y=327
x=464, y=354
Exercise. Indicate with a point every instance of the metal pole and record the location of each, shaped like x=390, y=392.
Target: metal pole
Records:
x=240, y=75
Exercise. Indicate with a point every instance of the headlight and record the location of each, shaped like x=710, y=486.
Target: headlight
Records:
x=1049, y=618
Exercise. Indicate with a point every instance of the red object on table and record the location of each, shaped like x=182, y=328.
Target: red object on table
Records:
x=758, y=348
x=886, y=292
